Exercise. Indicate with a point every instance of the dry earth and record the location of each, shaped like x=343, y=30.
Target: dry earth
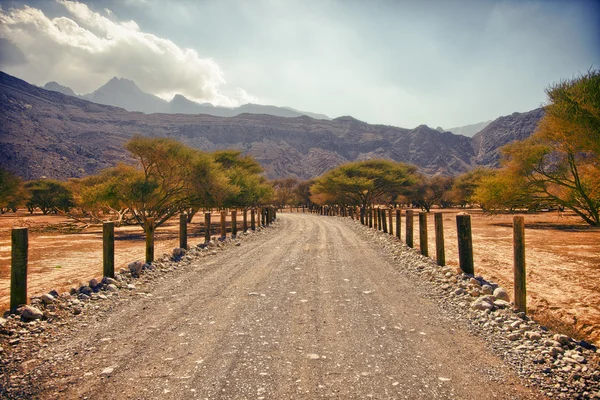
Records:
x=309, y=310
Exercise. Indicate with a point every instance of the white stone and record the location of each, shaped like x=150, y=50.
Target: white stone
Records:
x=501, y=294
x=29, y=313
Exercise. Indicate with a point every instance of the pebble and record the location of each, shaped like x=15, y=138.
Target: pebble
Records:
x=47, y=298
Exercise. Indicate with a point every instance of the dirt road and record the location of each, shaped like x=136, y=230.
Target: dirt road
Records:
x=306, y=311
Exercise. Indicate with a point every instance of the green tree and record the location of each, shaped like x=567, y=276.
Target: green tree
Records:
x=248, y=187
x=560, y=163
x=12, y=191
x=49, y=196
x=169, y=178
x=359, y=183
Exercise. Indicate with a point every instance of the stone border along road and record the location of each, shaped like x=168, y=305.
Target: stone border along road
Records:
x=311, y=307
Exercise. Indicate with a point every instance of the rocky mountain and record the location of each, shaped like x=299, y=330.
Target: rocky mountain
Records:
x=517, y=126
x=47, y=133
x=124, y=93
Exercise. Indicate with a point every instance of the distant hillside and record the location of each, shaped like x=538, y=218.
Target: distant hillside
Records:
x=47, y=133
x=469, y=130
x=517, y=126
x=124, y=93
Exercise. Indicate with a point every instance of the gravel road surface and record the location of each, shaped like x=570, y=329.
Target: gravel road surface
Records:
x=308, y=310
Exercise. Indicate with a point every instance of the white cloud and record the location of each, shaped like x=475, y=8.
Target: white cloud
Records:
x=85, y=49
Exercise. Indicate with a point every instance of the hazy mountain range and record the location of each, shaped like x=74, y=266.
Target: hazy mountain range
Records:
x=47, y=133
x=124, y=93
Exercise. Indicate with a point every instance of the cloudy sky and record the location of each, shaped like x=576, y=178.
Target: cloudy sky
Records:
x=443, y=63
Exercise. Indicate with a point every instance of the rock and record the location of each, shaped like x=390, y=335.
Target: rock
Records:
x=562, y=339
x=131, y=286
x=53, y=293
x=112, y=288
x=459, y=291
x=2, y=322
x=238, y=244
x=474, y=282
x=76, y=310
x=47, y=298
x=531, y=335
x=86, y=290
x=514, y=336
x=501, y=304
x=29, y=313
x=109, y=281
x=93, y=283
x=474, y=292
x=501, y=294
x=487, y=289
x=482, y=304
x=135, y=268
x=554, y=351
x=108, y=370
x=178, y=252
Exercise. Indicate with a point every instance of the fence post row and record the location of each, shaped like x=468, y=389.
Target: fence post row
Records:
x=183, y=231
x=409, y=228
x=465, y=243
x=149, y=225
x=519, y=264
x=423, y=243
x=108, y=249
x=440, y=252
x=18, y=267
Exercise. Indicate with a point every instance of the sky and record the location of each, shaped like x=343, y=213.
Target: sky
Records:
x=442, y=63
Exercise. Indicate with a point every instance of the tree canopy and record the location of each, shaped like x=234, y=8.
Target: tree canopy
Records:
x=559, y=164
x=359, y=183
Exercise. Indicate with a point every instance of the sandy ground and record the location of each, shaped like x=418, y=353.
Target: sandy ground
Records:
x=308, y=310
x=563, y=259
x=60, y=261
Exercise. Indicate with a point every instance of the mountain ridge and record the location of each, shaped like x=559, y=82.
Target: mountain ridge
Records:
x=125, y=93
x=50, y=134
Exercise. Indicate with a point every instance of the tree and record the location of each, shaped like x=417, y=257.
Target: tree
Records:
x=430, y=191
x=12, y=191
x=169, y=178
x=247, y=186
x=464, y=186
x=49, y=196
x=560, y=162
x=302, y=192
x=359, y=183
x=284, y=191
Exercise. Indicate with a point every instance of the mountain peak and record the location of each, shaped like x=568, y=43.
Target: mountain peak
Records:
x=57, y=87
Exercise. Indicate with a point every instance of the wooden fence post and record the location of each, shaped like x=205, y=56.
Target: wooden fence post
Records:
x=234, y=222
x=423, y=242
x=223, y=224
x=149, y=239
x=465, y=243
x=440, y=251
x=398, y=224
x=108, y=249
x=371, y=214
x=207, y=227
x=391, y=220
x=267, y=216
x=409, y=228
x=384, y=220
x=253, y=219
x=519, y=264
x=245, y=220
x=362, y=215
x=183, y=231
x=18, y=267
